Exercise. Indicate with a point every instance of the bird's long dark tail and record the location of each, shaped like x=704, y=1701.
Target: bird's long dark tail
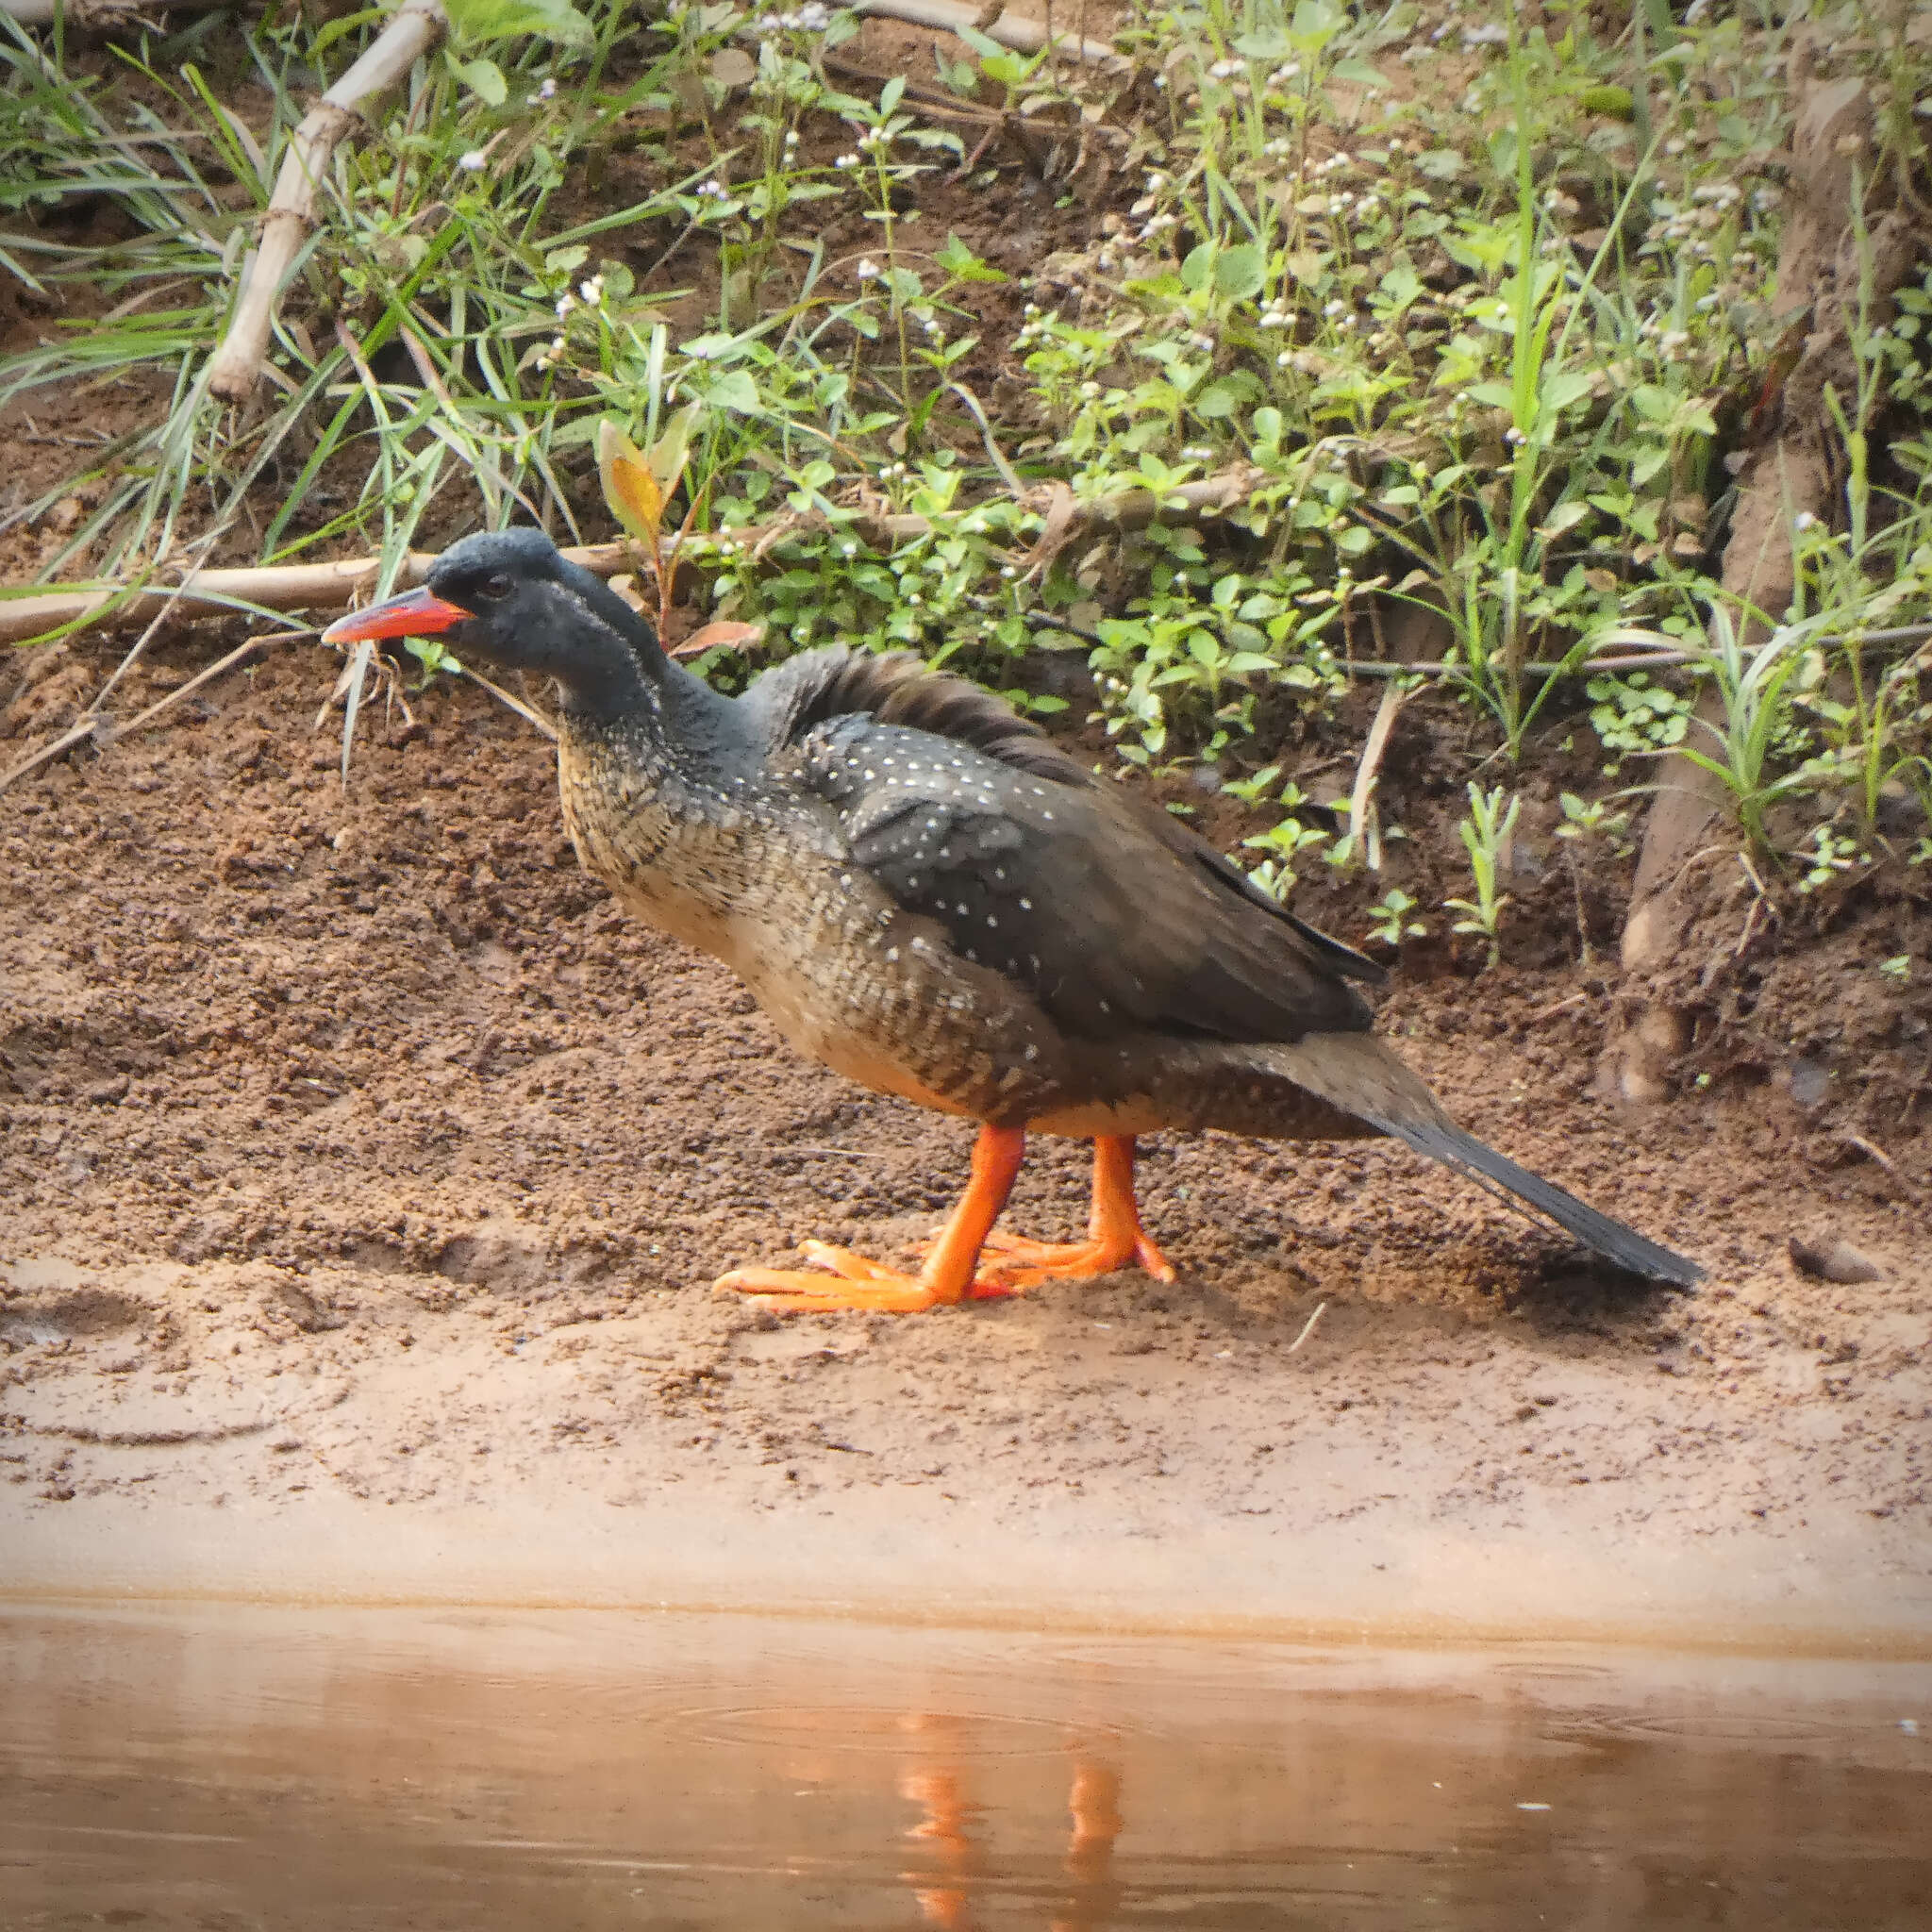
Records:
x=1358, y=1072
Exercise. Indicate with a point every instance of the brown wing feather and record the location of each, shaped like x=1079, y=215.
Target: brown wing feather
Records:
x=897, y=688
x=1100, y=909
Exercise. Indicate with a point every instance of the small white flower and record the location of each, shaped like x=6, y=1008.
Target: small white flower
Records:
x=1804, y=520
x=846, y=161
x=474, y=162
x=1205, y=343
x=1225, y=70
x=592, y=290
x=565, y=303
x=868, y=269
x=548, y=91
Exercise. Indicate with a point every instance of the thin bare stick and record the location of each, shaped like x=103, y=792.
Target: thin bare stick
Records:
x=516, y=704
x=322, y=586
x=100, y=16
x=411, y=33
x=74, y=734
x=1308, y=1328
x=95, y=724
x=1875, y=1154
x=1363, y=822
x=141, y=642
x=1009, y=29
x=1008, y=473
x=208, y=676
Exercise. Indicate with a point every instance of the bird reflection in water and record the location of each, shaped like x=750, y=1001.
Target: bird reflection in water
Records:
x=959, y=1855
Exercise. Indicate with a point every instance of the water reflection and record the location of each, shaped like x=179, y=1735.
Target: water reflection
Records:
x=221, y=1768
x=951, y=1828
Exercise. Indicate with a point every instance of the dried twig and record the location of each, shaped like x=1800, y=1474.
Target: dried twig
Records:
x=1879, y=1157
x=515, y=704
x=95, y=724
x=325, y=587
x=75, y=734
x=1363, y=822
x=99, y=16
x=411, y=33
x=1009, y=29
x=1308, y=1328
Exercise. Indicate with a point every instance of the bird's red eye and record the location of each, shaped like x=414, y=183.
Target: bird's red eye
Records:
x=496, y=586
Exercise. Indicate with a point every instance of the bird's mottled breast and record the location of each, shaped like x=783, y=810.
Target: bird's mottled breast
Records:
x=762, y=882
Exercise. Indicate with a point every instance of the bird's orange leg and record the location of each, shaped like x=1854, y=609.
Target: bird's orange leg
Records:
x=1114, y=1234
x=947, y=1275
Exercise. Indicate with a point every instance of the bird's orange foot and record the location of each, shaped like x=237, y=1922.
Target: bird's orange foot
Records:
x=1013, y=1262
x=867, y=1286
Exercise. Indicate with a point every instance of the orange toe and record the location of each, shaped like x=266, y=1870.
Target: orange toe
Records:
x=866, y=1285
x=870, y=1286
x=1011, y=1261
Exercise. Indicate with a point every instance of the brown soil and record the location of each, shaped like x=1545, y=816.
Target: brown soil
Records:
x=362, y=1173
x=364, y=1170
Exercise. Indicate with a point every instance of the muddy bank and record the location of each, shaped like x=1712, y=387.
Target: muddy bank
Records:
x=363, y=1174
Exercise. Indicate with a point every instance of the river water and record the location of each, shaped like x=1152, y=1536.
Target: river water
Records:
x=224, y=1768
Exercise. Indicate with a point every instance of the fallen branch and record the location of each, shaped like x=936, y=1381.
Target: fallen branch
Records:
x=265, y=590
x=329, y=587
x=411, y=33
x=98, y=16
x=1014, y=30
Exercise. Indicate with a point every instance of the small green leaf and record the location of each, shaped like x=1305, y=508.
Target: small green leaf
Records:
x=1240, y=272
x=734, y=390
x=500, y=20
x=1360, y=73
x=483, y=77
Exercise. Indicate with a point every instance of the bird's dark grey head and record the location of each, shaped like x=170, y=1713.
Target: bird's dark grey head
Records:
x=509, y=600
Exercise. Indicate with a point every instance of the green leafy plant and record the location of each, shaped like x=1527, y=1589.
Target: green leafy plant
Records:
x=1486, y=835
x=1390, y=923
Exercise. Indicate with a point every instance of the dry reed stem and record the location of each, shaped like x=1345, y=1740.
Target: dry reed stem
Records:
x=237, y=365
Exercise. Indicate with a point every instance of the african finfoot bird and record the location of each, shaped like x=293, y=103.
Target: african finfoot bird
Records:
x=925, y=894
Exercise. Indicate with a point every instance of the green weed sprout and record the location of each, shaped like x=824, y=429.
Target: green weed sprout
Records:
x=1484, y=832
x=1389, y=921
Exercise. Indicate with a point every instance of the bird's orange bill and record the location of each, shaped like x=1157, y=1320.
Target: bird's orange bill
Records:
x=414, y=614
